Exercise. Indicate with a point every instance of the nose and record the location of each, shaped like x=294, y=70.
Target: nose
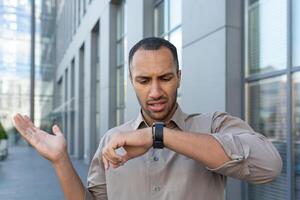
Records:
x=155, y=90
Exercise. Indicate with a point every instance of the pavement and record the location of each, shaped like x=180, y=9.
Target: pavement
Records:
x=26, y=175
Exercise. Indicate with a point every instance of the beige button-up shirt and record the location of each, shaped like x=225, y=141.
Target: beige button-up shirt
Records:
x=165, y=175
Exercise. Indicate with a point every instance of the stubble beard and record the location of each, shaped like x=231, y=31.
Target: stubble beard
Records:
x=169, y=113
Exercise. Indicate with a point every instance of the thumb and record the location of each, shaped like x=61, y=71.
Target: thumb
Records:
x=56, y=130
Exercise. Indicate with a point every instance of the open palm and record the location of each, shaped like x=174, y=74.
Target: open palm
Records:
x=52, y=147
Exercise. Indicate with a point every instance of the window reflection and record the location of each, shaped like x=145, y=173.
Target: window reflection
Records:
x=167, y=23
x=14, y=60
x=176, y=39
x=267, y=115
x=267, y=34
x=296, y=32
x=296, y=130
x=175, y=13
x=120, y=75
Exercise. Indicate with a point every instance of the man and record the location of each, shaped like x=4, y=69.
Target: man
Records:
x=163, y=153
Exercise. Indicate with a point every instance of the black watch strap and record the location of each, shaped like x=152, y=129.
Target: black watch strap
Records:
x=158, y=135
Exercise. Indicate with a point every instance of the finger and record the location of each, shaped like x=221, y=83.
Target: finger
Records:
x=110, y=160
x=56, y=130
x=116, y=166
x=105, y=163
x=18, y=121
x=20, y=124
x=112, y=155
x=23, y=128
x=28, y=121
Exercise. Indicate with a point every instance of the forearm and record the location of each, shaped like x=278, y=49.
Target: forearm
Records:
x=201, y=147
x=69, y=180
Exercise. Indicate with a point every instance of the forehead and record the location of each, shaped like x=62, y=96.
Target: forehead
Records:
x=152, y=61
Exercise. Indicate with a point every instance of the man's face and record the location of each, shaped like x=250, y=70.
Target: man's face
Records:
x=155, y=80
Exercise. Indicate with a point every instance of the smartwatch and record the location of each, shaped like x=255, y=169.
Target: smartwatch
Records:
x=158, y=135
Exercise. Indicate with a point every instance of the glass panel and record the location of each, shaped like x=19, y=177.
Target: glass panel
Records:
x=120, y=94
x=66, y=92
x=176, y=39
x=120, y=86
x=72, y=78
x=267, y=115
x=296, y=130
x=267, y=35
x=72, y=127
x=65, y=122
x=296, y=32
x=175, y=13
x=159, y=19
x=120, y=20
x=98, y=102
x=120, y=53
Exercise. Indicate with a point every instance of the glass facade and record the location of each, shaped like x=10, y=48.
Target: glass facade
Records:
x=296, y=32
x=45, y=62
x=167, y=23
x=121, y=62
x=267, y=36
x=266, y=112
x=15, y=28
x=272, y=97
x=296, y=131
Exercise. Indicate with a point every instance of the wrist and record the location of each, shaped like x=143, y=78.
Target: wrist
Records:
x=63, y=160
x=158, y=135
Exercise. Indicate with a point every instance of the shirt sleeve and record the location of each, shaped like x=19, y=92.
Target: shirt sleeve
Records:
x=96, y=185
x=253, y=157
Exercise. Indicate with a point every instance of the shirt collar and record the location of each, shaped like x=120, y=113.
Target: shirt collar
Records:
x=179, y=118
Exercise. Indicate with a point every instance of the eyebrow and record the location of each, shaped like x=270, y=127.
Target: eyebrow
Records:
x=143, y=76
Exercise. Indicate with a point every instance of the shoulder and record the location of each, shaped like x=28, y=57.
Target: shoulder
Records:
x=205, y=117
x=205, y=122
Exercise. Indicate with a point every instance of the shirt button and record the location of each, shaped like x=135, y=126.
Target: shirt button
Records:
x=156, y=189
x=156, y=158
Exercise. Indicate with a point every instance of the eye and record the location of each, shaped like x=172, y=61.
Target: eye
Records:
x=166, y=78
x=143, y=81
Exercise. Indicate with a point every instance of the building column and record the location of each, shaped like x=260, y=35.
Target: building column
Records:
x=212, y=56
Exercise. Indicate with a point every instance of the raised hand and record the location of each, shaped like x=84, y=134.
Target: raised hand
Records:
x=135, y=144
x=51, y=147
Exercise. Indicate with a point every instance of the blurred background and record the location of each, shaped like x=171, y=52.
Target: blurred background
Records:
x=65, y=62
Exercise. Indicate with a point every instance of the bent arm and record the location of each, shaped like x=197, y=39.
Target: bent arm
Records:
x=232, y=149
x=203, y=148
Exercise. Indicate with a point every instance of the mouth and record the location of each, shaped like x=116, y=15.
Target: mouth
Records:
x=156, y=106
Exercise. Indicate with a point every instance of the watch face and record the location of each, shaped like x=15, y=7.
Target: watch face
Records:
x=157, y=132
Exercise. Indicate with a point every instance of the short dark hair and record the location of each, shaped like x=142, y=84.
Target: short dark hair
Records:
x=153, y=43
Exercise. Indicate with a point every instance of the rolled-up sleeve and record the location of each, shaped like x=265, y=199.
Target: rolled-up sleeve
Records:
x=96, y=185
x=253, y=157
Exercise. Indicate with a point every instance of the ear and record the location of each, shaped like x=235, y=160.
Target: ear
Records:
x=179, y=77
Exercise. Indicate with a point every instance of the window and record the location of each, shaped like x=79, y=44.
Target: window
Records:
x=296, y=130
x=296, y=32
x=120, y=71
x=266, y=36
x=167, y=22
x=266, y=112
x=72, y=108
x=96, y=80
x=273, y=88
x=66, y=98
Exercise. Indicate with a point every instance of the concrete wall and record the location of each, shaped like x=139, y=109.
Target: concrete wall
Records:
x=212, y=61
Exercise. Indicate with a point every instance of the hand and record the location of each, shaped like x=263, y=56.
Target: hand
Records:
x=51, y=147
x=135, y=144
